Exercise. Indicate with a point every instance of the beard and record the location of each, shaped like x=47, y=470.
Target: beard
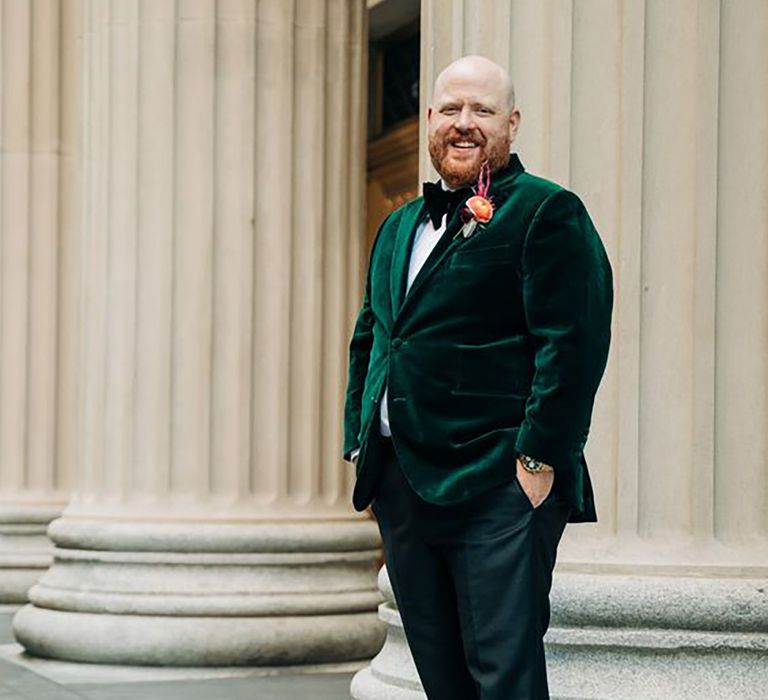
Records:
x=465, y=172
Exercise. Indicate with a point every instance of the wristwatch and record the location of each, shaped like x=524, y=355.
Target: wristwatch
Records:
x=534, y=466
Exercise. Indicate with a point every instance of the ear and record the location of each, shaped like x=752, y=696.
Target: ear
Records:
x=429, y=112
x=514, y=124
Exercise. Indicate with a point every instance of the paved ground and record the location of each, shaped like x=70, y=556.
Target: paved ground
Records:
x=19, y=682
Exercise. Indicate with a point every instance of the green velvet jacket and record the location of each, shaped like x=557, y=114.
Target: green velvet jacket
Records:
x=498, y=347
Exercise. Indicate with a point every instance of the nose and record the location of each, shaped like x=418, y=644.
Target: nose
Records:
x=464, y=119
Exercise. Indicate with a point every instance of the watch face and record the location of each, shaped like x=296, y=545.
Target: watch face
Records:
x=531, y=464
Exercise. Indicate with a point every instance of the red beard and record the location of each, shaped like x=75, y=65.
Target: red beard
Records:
x=463, y=174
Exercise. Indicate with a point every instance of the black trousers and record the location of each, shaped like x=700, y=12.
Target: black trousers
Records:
x=472, y=583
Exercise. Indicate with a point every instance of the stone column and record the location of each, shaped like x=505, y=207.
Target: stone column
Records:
x=38, y=275
x=223, y=183
x=654, y=112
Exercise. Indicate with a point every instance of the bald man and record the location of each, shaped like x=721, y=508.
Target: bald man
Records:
x=473, y=369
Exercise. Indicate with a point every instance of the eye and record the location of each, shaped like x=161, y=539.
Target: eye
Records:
x=484, y=110
x=449, y=110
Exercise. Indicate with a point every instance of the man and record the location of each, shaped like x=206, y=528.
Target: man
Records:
x=472, y=374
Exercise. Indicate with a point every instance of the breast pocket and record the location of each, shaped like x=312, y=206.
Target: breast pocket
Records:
x=484, y=285
x=475, y=256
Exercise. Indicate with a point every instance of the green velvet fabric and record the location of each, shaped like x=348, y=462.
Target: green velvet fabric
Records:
x=498, y=347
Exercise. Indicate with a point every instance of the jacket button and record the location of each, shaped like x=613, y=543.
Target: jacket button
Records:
x=396, y=343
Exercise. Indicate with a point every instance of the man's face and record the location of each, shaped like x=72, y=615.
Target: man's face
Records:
x=469, y=122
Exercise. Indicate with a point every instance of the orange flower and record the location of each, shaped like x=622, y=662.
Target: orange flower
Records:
x=478, y=208
x=481, y=208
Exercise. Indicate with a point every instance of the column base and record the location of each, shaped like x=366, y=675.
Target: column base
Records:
x=643, y=636
x=620, y=636
x=392, y=674
x=25, y=550
x=595, y=665
x=203, y=594
x=146, y=640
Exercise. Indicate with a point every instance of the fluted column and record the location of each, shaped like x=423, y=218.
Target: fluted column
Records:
x=223, y=174
x=654, y=112
x=38, y=275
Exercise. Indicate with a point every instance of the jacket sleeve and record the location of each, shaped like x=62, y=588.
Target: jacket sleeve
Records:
x=568, y=299
x=359, y=355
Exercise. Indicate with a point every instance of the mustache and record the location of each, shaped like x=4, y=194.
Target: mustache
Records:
x=458, y=137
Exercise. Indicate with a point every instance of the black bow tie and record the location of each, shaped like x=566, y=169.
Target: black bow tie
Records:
x=440, y=202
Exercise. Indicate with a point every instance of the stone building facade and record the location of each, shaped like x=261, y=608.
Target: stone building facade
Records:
x=181, y=256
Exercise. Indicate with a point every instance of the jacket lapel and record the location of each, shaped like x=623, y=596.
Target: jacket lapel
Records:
x=401, y=254
x=444, y=246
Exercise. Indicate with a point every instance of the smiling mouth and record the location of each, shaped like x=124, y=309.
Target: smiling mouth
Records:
x=465, y=145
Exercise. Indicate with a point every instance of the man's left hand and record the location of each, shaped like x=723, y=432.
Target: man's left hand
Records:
x=535, y=485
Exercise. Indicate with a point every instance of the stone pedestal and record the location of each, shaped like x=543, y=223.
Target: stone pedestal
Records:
x=654, y=113
x=392, y=674
x=197, y=594
x=25, y=551
x=38, y=276
x=211, y=521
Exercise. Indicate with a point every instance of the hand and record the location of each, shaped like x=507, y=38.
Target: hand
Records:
x=536, y=486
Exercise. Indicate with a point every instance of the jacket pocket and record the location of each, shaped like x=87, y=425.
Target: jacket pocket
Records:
x=496, y=370
x=479, y=256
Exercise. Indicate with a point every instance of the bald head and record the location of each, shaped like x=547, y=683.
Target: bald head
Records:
x=472, y=119
x=477, y=70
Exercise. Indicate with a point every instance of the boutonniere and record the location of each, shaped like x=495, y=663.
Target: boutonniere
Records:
x=478, y=209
